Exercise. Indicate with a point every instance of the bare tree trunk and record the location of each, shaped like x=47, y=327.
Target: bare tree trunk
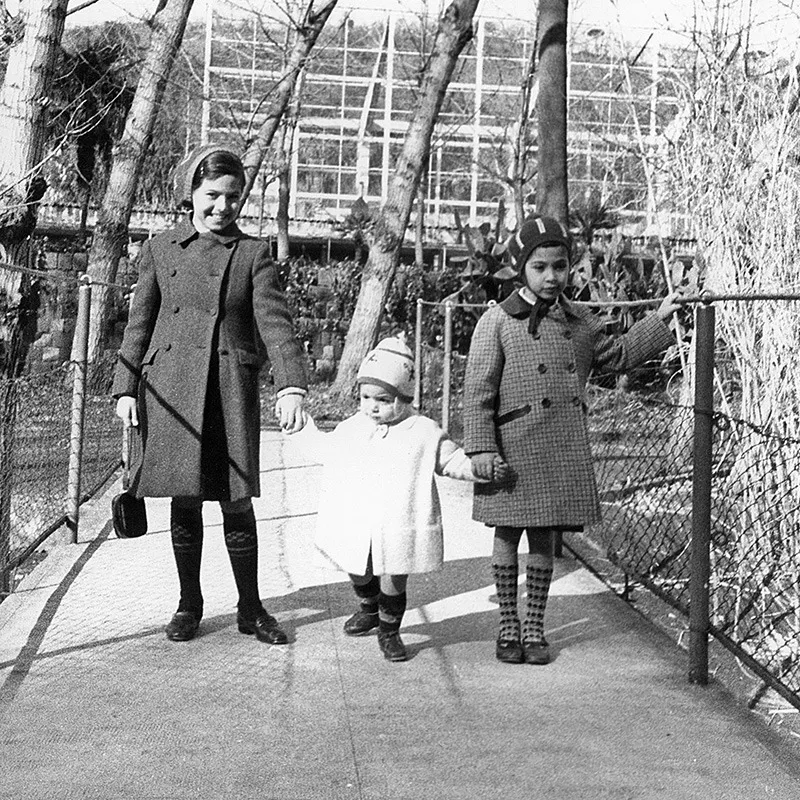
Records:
x=285, y=169
x=111, y=233
x=519, y=179
x=308, y=31
x=419, y=227
x=455, y=30
x=282, y=218
x=552, y=197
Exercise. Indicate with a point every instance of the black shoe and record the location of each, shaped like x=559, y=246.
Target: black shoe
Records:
x=264, y=626
x=509, y=651
x=392, y=646
x=182, y=627
x=361, y=622
x=537, y=652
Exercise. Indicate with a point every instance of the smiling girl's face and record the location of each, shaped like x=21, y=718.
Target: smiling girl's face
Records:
x=215, y=203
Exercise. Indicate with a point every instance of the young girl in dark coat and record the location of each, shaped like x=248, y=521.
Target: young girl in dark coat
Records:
x=528, y=364
x=207, y=296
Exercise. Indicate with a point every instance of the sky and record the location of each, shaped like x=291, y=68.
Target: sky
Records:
x=774, y=15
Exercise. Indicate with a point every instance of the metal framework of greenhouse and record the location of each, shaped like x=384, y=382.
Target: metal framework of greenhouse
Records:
x=358, y=96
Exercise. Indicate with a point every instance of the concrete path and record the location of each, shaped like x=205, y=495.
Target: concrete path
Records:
x=96, y=703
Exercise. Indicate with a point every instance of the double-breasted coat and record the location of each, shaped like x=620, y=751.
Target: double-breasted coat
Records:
x=205, y=308
x=524, y=398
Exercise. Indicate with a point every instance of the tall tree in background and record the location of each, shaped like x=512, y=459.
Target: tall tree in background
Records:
x=453, y=33
x=308, y=29
x=33, y=38
x=552, y=197
x=111, y=233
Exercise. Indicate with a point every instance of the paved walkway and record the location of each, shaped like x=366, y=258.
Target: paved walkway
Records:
x=96, y=703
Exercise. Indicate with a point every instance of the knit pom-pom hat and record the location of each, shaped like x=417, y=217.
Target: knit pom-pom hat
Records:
x=533, y=233
x=183, y=175
x=391, y=366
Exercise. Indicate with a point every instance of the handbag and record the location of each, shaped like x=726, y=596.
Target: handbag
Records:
x=128, y=512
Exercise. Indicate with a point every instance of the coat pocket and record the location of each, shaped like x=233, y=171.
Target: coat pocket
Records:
x=516, y=413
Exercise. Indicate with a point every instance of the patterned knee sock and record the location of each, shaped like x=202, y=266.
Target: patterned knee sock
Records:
x=186, y=528
x=537, y=583
x=241, y=541
x=391, y=608
x=505, y=579
x=368, y=592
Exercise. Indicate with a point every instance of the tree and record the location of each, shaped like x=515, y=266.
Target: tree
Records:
x=110, y=236
x=33, y=40
x=308, y=30
x=551, y=45
x=453, y=33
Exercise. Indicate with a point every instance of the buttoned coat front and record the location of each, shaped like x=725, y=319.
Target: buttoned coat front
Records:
x=202, y=301
x=524, y=398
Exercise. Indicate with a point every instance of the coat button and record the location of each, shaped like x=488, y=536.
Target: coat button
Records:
x=567, y=334
x=175, y=309
x=542, y=367
x=570, y=366
x=546, y=402
x=167, y=347
x=576, y=401
x=173, y=272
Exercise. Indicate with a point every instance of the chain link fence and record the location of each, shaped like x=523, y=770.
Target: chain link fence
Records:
x=643, y=444
x=60, y=443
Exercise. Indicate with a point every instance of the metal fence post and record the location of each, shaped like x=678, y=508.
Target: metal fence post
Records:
x=701, y=495
x=418, y=358
x=448, y=357
x=81, y=346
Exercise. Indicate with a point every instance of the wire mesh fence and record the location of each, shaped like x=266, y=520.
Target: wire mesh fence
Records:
x=643, y=445
x=59, y=439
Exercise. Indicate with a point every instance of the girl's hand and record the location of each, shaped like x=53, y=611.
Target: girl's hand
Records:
x=500, y=470
x=483, y=465
x=290, y=414
x=668, y=305
x=128, y=411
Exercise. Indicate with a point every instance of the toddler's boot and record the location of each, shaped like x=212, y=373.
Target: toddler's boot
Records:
x=391, y=608
x=537, y=584
x=508, y=648
x=366, y=618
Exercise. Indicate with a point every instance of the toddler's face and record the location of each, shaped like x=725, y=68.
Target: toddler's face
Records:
x=380, y=405
x=547, y=271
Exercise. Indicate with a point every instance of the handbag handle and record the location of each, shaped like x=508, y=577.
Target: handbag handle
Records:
x=127, y=435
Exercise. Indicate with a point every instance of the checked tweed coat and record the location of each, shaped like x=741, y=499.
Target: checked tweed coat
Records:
x=204, y=305
x=523, y=398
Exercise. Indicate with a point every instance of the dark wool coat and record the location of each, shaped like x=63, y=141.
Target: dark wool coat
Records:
x=204, y=309
x=523, y=398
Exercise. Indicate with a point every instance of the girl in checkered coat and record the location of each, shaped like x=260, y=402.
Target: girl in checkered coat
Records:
x=528, y=364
